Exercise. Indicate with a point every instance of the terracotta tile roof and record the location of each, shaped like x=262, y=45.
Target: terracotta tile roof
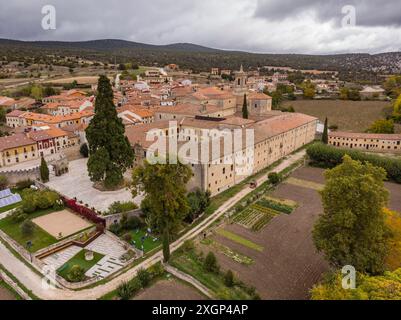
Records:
x=15, y=113
x=376, y=136
x=188, y=109
x=14, y=141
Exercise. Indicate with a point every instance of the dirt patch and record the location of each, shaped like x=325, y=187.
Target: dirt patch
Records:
x=310, y=174
x=170, y=290
x=289, y=264
x=5, y=294
x=395, y=196
x=64, y=222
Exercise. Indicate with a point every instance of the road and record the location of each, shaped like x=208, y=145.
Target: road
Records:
x=33, y=281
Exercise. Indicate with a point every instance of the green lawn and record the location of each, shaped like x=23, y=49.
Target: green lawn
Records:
x=238, y=239
x=148, y=244
x=40, y=238
x=9, y=207
x=190, y=263
x=79, y=259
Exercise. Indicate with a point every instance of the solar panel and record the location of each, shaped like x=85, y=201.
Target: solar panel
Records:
x=14, y=198
x=5, y=193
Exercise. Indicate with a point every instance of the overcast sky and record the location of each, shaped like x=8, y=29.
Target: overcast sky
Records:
x=273, y=26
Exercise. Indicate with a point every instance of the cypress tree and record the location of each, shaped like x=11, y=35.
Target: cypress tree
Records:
x=245, y=108
x=44, y=170
x=325, y=136
x=110, y=153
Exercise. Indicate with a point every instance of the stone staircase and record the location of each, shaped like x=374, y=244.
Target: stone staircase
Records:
x=106, y=266
x=59, y=258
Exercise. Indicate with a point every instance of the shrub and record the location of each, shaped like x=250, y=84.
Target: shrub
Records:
x=135, y=285
x=42, y=199
x=144, y=277
x=18, y=216
x=27, y=228
x=327, y=156
x=115, y=228
x=127, y=237
x=133, y=222
x=23, y=184
x=188, y=246
x=274, y=178
x=3, y=182
x=76, y=274
x=229, y=279
x=121, y=207
x=156, y=270
x=125, y=291
x=210, y=263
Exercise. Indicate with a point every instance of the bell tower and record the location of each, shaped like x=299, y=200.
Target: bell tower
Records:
x=240, y=85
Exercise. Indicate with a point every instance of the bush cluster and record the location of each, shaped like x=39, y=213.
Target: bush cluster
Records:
x=33, y=200
x=326, y=156
x=128, y=289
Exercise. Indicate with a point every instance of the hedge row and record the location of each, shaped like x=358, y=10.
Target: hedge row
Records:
x=327, y=156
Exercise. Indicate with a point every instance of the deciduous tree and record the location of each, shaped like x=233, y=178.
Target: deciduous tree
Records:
x=164, y=186
x=352, y=230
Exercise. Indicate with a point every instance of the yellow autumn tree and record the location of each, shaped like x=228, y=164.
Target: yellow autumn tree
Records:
x=393, y=221
x=385, y=287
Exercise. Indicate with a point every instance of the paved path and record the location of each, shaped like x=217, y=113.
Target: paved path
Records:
x=33, y=281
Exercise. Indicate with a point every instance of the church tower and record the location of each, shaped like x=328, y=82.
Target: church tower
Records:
x=240, y=85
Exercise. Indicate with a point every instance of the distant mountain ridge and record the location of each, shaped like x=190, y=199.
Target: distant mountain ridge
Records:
x=201, y=58
x=111, y=44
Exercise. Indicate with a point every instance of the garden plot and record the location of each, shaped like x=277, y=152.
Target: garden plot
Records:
x=62, y=224
x=255, y=217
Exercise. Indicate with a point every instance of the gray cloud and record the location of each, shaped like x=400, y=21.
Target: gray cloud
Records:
x=368, y=12
x=277, y=26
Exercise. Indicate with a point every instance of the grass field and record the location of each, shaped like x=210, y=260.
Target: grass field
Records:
x=238, y=239
x=190, y=263
x=305, y=183
x=353, y=116
x=9, y=207
x=40, y=238
x=148, y=244
x=79, y=259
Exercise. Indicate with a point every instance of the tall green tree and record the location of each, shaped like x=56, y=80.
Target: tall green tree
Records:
x=44, y=170
x=325, y=135
x=245, y=108
x=167, y=206
x=110, y=153
x=352, y=230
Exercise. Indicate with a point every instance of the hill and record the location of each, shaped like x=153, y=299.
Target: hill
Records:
x=198, y=58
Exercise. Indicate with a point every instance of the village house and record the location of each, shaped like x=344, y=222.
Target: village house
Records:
x=17, y=148
x=18, y=118
x=133, y=115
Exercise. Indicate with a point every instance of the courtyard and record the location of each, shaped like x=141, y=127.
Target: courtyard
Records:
x=76, y=183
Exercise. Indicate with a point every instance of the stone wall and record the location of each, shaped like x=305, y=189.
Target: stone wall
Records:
x=13, y=176
x=114, y=218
